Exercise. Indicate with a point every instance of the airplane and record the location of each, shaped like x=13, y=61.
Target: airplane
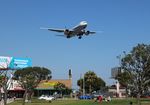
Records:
x=78, y=30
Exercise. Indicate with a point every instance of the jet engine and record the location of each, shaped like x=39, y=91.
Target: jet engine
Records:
x=66, y=32
x=87, y=32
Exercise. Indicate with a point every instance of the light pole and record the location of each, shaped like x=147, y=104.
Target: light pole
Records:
x=83, y=85
x=117, y=83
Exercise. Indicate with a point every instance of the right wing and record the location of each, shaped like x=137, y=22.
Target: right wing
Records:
x=56, y=30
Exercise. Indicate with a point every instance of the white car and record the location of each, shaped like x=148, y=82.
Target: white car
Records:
x=45, y=97
x=41, y=97
x=49, y=98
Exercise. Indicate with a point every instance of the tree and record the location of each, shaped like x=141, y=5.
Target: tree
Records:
x=1, y=84
x=4, y=86
x=30, y=77
x=90, y=78
x=4, y=80
x=99, y=84
x=80, y=84
x=60, y=87
x=137, y=64
x=91, y=81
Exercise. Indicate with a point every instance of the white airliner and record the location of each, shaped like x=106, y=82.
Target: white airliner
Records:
x=78, y=30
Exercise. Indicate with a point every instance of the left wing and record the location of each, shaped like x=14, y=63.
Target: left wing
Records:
x=53, y=29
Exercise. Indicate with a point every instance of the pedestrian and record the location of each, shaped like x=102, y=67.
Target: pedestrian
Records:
x=14, y=98
x=108, y=98
x=100, y=99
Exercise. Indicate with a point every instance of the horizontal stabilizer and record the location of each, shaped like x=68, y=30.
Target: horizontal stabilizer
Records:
x=61, y=35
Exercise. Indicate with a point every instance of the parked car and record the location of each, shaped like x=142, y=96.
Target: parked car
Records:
x=49, y=98
x=85, y=97
x=41, y=97
x=46, y=97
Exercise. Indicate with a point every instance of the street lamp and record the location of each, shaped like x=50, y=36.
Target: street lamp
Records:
x=83, y=85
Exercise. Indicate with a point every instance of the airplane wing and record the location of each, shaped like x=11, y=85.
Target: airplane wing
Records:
x=92, y=32
x=56, y=30
x=53, y=29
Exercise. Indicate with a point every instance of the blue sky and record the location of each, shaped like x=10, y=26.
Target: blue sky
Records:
x=124, y=23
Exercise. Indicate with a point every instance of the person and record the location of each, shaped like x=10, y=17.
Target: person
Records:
x=100, y=99
x=108, y=98
x=95, y=99
x=14, y=98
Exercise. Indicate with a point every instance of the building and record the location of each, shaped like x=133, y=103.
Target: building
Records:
x=115, y=71
x=117, y=91
x=15, y=89
x=44, y=87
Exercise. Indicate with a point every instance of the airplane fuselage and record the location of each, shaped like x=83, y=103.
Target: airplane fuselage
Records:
x=78, y=30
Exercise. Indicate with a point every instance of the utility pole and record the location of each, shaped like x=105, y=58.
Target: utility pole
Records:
x=83, y=85
x=117, y=83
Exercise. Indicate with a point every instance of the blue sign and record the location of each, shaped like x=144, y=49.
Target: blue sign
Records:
x=19, y=63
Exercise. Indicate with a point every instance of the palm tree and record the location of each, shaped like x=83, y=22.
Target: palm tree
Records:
x=90, y=82
x=90, y=77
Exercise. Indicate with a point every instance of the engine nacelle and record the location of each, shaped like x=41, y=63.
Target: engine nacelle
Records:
x=87, y=32
x=66, y=32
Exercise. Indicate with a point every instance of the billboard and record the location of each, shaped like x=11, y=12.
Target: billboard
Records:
x=115, y=71
x=14, y=63
x=18, y=63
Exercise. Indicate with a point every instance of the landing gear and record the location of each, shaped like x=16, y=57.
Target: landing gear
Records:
x=79, y=37
x=68, y=36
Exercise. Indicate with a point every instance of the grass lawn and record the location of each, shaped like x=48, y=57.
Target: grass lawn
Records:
x=81, y=102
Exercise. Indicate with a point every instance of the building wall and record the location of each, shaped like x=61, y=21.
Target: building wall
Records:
x=49, y=84
x=122, y=92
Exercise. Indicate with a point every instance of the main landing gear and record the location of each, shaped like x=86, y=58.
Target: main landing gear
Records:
x=79, y=37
